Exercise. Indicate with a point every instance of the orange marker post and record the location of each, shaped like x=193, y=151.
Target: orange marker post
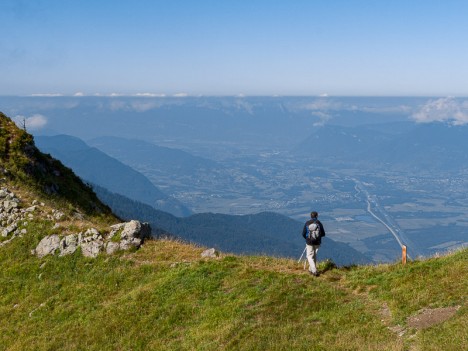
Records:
x=403, y=254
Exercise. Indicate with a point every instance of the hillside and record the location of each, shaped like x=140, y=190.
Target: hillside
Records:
x=96, y=167
x=166, y=297
x=26, y=169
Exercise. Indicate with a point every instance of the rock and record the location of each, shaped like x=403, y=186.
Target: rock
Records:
x=68, y=245
x=48, y=245
x=114, y=229
x=112, y=247
x=9, y=205
x=30, y=209
x=58, y=215
x=92, y=249
x=93, y=232
x=210, y=253
x=129, y=243
x=136, y=229
x=131, y=230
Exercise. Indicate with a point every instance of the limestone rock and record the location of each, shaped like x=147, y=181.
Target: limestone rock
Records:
x=68, y=245
x=135, y=229
x=129, y=243
x=210, y=253
x=112, y=247
x=48, y=245
x=92, y=248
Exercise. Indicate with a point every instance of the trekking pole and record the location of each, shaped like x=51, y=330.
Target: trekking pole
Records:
x=300, y=258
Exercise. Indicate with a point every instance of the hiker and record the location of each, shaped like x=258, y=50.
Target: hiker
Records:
x=313, y=232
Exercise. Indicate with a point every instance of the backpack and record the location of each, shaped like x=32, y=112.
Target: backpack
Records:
x=313, y=232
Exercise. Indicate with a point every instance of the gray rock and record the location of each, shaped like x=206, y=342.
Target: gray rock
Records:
x=210, y=253
x=9, y=205
x=112, y=247
x=92, y=249
x=48, y=245
x=68, y=245
x=127, y=244
x=31, y=209
x=136, y=229
x=114, y=229
x=58, y=215
x=131, y=230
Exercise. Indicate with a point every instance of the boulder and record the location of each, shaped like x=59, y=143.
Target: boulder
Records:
x=135, y=229
x=48, y=245
x=131, y=230
x=92, y=249
x=112, y=247
x=129, y=243
x=210, y=253
x=68, y=245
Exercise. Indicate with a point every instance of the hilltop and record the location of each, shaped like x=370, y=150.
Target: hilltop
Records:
x=166, y=296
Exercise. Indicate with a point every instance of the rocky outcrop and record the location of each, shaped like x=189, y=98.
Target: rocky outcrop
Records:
x=131, y=234
x=122, y=236
x=14, y=220
x=48, y=246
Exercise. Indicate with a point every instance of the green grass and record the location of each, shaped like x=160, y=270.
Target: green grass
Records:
x=165, y=297
x=433, y=283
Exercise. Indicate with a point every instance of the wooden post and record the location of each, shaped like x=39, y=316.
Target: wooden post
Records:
x=403, y=254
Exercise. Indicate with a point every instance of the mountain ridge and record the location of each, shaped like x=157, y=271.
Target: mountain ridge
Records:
x=95, y=166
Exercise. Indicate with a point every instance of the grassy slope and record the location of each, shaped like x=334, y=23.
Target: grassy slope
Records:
x=164, y=297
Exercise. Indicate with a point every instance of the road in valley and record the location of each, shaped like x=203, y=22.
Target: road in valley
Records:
x=379, y=213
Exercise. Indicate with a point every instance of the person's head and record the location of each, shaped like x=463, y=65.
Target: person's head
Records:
x=313, y=214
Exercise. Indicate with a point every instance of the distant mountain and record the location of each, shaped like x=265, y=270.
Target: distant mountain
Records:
x=97, y=167
x=404, y=146
x=432, y=146
x=264, y=233
x=332, y=143
x=135, y=152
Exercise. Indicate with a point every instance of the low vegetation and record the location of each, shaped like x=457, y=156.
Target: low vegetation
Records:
x=166, y=297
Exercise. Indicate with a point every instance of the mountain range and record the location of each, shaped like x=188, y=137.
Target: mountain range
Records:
x=404, y=146
x=96, y=167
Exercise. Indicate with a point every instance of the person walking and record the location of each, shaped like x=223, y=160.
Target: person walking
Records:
x=313, y=232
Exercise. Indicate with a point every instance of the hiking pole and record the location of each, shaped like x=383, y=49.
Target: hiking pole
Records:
x=300, y=258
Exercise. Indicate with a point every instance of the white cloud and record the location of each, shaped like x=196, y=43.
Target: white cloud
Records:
x=150, y=95
x=79, y=94
x=446, y=109
x=47, y=94
x=181, y=95
x=34, y=122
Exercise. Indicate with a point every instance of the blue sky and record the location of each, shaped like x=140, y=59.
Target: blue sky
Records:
x=252, y=47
